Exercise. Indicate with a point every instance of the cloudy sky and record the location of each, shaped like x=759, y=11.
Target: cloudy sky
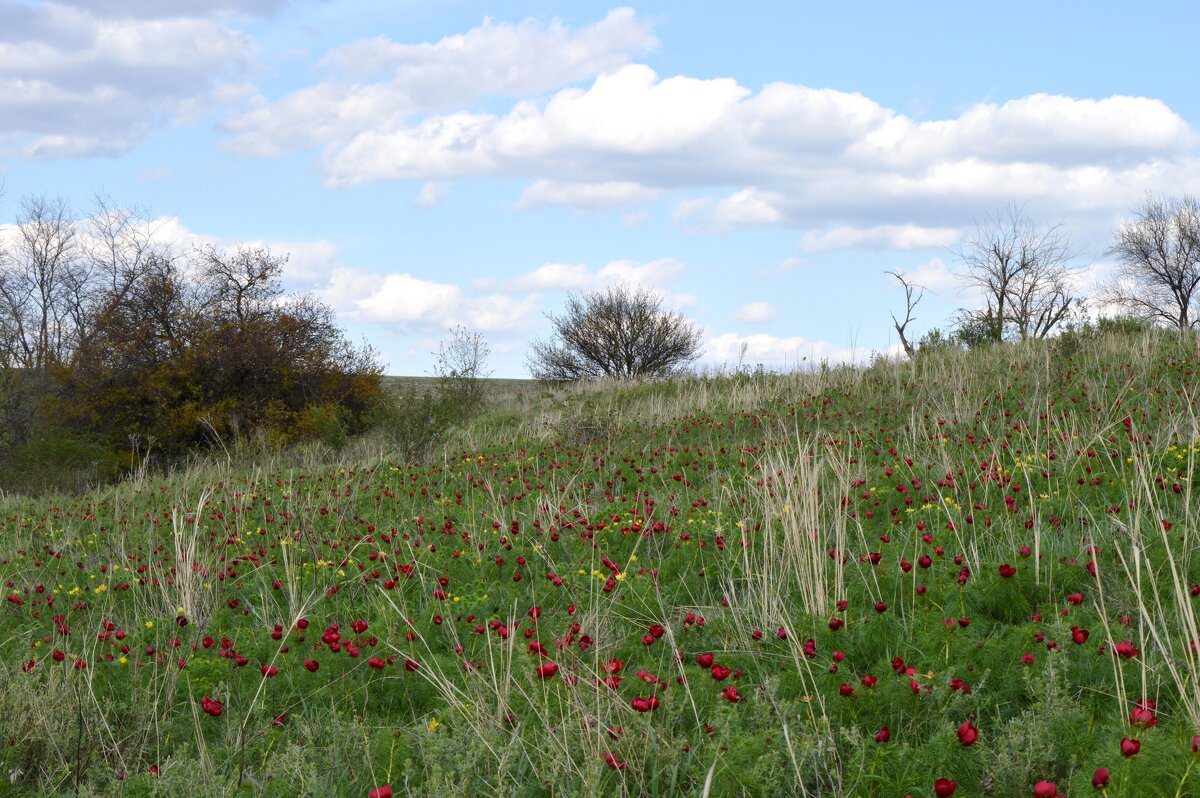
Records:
x=762, y=165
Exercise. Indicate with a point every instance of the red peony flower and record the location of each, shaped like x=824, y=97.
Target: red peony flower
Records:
x=211, y=706
x=1130, y=747
x=967, y=733
x=944, y=788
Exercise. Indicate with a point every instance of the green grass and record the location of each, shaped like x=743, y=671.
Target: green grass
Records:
x=622, y=532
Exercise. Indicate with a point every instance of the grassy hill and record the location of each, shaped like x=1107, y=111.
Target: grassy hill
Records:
x=965, y=574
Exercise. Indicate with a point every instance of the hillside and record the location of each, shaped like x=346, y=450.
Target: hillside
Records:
x=971, y=572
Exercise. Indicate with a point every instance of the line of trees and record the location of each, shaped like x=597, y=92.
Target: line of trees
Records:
x=110, y=336
x=1027, y=274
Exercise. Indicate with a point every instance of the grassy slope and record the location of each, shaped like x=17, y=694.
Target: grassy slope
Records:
x=552, y=501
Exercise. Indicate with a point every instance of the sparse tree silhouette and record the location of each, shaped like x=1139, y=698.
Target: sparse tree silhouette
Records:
x=460, y=367
x=1158, y=262
x=619, y=332
x=910, y=304
x=1023, y=272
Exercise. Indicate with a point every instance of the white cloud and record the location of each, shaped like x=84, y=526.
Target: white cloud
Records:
x=838, y=165
x=775, y=352
x=748, y=208
x=430, y=195
x=584, y=195
x=152, y=9
x=77, y=82
x=376, y=85
x=756, y=313
x=885, y=236
x=416, y=303
x=934, y=275
x=658, y=275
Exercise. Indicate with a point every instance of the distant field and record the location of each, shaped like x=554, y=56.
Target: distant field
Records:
x=496, y=388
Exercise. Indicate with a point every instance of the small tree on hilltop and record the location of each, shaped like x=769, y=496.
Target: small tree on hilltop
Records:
x=619, y=332
x=1158, y=262
x=1023, y=272
x=461, y=366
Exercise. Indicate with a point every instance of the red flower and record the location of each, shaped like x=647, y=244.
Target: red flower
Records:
x=1045, y=789
x=546, y=670
x=720, y=672
x=1080, y=636
x=1007, y=570
x=312, y=665
x=1126, y=650
x=731, y=694
x=883, y=735
x=381, y=792
x=704, y=660
x=1130, y=747
x=1100, y=778
x=1143, y=714
x=411, y=665
x=944, y=788
x=846, y=691
x=611, y=760
x=376, y=662
x=967, y=733
x=211, y=706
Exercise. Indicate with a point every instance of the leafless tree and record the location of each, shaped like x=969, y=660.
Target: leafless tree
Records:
x=460, y=366
x=1023, y=272
x=619, y=332
x=41, y=285
x=1158, y=261
x=241, y=284
x=910, y=304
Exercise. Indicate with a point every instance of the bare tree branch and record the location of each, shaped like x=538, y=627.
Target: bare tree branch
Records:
x=1158, y=262
x=910, y=304
x=1023, y=272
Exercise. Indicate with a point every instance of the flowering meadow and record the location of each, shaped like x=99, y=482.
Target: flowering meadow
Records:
x=968, y=574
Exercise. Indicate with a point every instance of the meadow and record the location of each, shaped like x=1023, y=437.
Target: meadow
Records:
x=971, y=573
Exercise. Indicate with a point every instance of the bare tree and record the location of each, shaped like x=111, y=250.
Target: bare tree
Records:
x=910, y=304
x=620, y=332
x=1158, y=261
x=41, y=286
x=242, y=284
x=1023, y=272
x=460, y=366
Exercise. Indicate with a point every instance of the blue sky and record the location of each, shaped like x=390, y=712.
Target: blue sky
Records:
x=762, y=165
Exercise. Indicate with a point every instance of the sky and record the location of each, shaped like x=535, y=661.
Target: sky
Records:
x=760, y=165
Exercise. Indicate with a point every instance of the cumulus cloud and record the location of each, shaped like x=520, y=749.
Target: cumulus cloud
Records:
x=775, y=352
x=884, y=236
x=79, y=82
x=374, y=86
x=844, y=168
x=430, y=195
x=934, y=275
x=584, y=195
x=756, y=313
x=157, y=9
x=659, y=275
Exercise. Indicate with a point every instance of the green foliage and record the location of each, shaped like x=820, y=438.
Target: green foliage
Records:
x=51, y=459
